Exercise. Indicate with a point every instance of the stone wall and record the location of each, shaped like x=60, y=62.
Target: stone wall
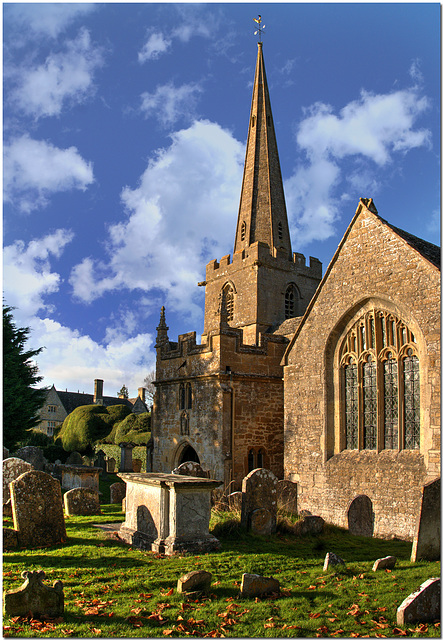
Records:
x=373, y=267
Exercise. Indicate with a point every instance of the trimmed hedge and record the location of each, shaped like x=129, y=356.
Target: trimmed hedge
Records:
x=134, y=428
x=87, y=424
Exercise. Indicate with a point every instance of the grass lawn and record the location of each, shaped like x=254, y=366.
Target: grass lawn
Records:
x=112, y=590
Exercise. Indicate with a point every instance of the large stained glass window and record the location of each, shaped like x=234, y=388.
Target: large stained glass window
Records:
x=380, y=373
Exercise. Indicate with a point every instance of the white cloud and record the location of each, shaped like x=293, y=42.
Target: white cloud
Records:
x=181, y=214
x=354, y=146
x=65, y=77
x=74, y=361
x=153, y=47
x=35, y=169
x=27, y=274
x=170, y=103
x=48, y=19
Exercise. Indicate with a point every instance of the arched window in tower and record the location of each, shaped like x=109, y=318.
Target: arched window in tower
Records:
x=243, y=230
x=380, y=379
x=291, y=301
x=188, y=395
x=260, y=458
x=181, y=397
x=228, y=295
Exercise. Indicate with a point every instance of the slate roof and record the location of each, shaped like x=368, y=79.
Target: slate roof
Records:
x=287, y=327
x=72, y=400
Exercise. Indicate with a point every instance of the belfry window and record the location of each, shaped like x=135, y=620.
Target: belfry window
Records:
x=380, y=379
x=182, y=397
x=291, y=301
x=228, y=295
x=243, y=230
x=280, y=231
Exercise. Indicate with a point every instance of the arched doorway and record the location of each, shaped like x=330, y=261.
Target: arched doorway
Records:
x=188, y=454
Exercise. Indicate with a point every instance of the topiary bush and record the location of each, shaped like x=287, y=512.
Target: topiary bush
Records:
x=134, y=428
x=88, y=424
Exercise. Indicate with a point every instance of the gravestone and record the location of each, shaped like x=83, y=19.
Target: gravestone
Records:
x=12, y=469
x=33, y=455
x=5, y=453
x=261, y=522
x=74, y=476
x=118, y=492
x=34, y=597
x=191, y=468
x=259, y=489
x=421, y=606
x=287, y=496
x=126, y=457
x=256, y=586
x=37, y=509
x=110, y=465
x=82, y=502
x=361, y=517
x=332, y=559
x=86, y=462
x=309, y=526
x=74, y=458
x=426, y=544
x=388, y=562
x=137, y=465
x=100, y=460
x=234, y=500
x=194, y=581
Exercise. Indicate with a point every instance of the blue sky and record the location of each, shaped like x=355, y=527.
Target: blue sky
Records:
x=124, y=136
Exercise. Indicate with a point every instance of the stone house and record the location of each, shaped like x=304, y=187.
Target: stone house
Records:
x=362, y=380
x=332, y=383
x=221, y=402
x=59, y=404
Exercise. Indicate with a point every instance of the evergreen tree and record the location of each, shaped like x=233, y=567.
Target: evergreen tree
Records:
x=21, y=400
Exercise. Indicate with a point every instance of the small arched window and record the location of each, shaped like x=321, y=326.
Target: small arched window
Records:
x=251, y=460
x=182, y=397
x=291, y=301
x=188, y=395
x=228, y=295
x=243, y=230
x=260, y=459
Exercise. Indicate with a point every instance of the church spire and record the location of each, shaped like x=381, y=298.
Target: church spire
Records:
x=262, y=214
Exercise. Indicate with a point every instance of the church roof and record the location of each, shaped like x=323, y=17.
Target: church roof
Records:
x=262, y=213
x=428, y=250
x=71, y=400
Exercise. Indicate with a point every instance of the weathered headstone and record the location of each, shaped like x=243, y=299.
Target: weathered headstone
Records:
x=287, y=496
x=100, y=459
x=254, y=585
x=74, y=458
x=82, y=502
x=332, y=559
x=33, y=455
x=86, y=462
x=37, y=509
x=384, y=563
x=427, y=538
x=126, y=456
x=191, y=468
x=261, y=522
x=361, y=517
x=118, y=492
x=259, y=490
x=421, y=606
x=74, y=476
x=34, y=597
x=137, y=465
x=309, y=526
x=235, y=500
x=110, y=465
x=194, y=581
x=12, y=469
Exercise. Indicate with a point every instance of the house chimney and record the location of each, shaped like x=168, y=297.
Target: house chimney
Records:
x=142, y=393
x=98, y=391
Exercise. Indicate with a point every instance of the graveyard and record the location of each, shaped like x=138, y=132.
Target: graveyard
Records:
x=115, y=589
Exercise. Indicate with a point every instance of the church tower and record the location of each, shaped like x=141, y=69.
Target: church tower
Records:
x=265, y=283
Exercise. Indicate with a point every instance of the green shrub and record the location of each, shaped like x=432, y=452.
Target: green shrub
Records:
x=87, y=424
x=134, y=428
x=55, y=452
x=35, y=438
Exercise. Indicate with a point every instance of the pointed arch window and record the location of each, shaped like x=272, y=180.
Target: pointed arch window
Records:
x=188, y=395
x=380, y=379
x=291, y=301
x=181, y=397
x=243, y=230
x=228, y=294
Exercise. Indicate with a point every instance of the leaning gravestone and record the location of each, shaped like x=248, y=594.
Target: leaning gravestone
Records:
x=82, y=501
x=287, y=496
x=234, y=500
x=421, y=606
x=33, y=455
x=426, y=544
x=118, y=492
x=388, y=562
x=332, y=559
x=259, y=489
x=190, y=468
x=309, y=526
x=194, y=582
x=12, y=469
x=254, y=585
x=37, y=509
x=34, y=597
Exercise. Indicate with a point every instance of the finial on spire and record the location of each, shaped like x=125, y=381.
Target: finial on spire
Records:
x=259, y=28
x=162, y=329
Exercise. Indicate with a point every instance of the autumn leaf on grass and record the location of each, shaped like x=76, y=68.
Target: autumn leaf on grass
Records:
x=354, y=610
x=136, y=622
x=315, y=615
x=399, y=632
x=156, y=617
x=168, y=632
x=311, y=587
x=336, y=633
x=96, y=631
x=167, y=593
x=68, y=632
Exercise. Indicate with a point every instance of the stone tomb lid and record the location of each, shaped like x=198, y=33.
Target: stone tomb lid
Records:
x=169, y=479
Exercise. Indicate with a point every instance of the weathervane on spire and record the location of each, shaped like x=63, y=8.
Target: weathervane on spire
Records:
x=259, y=28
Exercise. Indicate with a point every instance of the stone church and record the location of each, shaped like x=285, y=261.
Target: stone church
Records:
x=332, y=383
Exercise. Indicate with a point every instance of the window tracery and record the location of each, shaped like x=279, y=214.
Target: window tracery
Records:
x=291, y=300
x=380, y=379
x=228, y=294
x=243, y=230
